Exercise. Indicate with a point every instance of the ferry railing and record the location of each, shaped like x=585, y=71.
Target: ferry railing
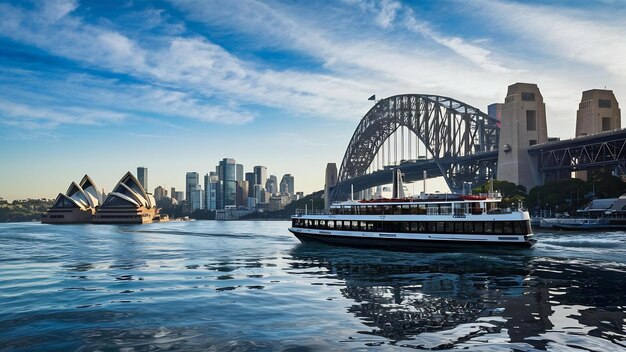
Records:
x=301, y=212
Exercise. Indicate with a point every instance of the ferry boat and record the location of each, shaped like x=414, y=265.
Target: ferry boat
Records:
x=410, y=222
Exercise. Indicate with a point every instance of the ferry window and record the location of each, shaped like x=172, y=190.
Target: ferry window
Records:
x=432, y=226
x=468, y=227
x=507, y=227
x=433, y=209
x=316, y=223
x=370, y=226
x=414, y=226
x=478, y=227
x=379, y=226
x=517, y=228
x=441, y=226
x=331, y=224
x=421, y=227
x=397, y=209
x=294, y=223
x=445, y=210
x=346, y=225
x=355, y=226
x=404, y=226
x=406, y=209
x=497, y=227
x=322, y=223
x=450, y=227
x=488, y=227
x=458, y=226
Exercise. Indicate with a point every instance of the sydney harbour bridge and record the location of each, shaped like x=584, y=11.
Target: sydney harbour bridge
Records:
x=428, y=136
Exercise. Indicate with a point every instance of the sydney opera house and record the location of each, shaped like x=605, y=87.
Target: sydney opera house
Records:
x=84, y=203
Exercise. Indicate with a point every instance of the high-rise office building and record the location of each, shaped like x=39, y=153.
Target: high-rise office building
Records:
x=271, y=185
x=260, y=194
x=160, y=193
x=142, y=176
x=211, y=182
x=192, y=183
x=227, y=194
x=251, y=182
x=239, y=172
x=260, y=175
x=196, y=199
x=242, y=193
x=287, y=185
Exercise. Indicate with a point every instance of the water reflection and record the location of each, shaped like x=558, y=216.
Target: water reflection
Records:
x=524, y=300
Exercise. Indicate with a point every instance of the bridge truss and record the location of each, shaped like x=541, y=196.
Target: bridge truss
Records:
x=582, y=153
x=455, y=135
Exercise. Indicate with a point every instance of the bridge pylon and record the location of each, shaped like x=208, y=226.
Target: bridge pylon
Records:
x=523, y=124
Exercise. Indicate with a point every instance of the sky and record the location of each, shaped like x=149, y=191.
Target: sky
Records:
x=101, y=87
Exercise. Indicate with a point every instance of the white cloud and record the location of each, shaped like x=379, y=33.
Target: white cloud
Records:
x=592, y=37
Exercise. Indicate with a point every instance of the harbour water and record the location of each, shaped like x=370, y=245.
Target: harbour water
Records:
x=239, y=286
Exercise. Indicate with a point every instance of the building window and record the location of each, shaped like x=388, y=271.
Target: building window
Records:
x=528, y=96
x=532, y=142
x=606, y=124
x=604, y=103
x=531, y=120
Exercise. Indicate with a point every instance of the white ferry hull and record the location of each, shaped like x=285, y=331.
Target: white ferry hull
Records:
x=410, y=240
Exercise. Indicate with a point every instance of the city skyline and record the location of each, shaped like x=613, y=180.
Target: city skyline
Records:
x=176, y=86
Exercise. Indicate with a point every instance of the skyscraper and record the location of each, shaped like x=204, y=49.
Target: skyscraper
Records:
x=239, y=172
x=251, y=182
x=160, y=193
x=211, y=182
x=287, y=185
x=192, y=183
x=260, y=175
x=271, y=186
x=142, y=176
x=227, y=194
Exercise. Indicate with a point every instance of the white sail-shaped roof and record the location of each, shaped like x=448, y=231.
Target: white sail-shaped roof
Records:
x=63, y=201
x=130, y=191
x=91, y=191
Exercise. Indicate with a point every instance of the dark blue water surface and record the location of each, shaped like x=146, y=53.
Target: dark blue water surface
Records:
x=239, y=286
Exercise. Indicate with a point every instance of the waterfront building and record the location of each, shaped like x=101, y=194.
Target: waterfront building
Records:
x=211, y=183
x=77, y=205
x=192, y=182
x=287, y=185
x=523, y=124
x=142, y=176
x=227, y=194
x=196, y=200
x=251, y=203
x=278, y=202
x=160, y=193
x=128, y=203
x=249, y=177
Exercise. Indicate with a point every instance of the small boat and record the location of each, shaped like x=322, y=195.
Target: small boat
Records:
x=410, y=222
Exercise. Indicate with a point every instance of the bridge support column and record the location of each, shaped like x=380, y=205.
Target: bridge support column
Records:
x=523, y=124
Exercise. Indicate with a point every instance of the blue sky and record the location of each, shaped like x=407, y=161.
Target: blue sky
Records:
x=101, y=87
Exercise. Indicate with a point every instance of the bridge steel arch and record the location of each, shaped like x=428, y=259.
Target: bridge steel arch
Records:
x=451, y=130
